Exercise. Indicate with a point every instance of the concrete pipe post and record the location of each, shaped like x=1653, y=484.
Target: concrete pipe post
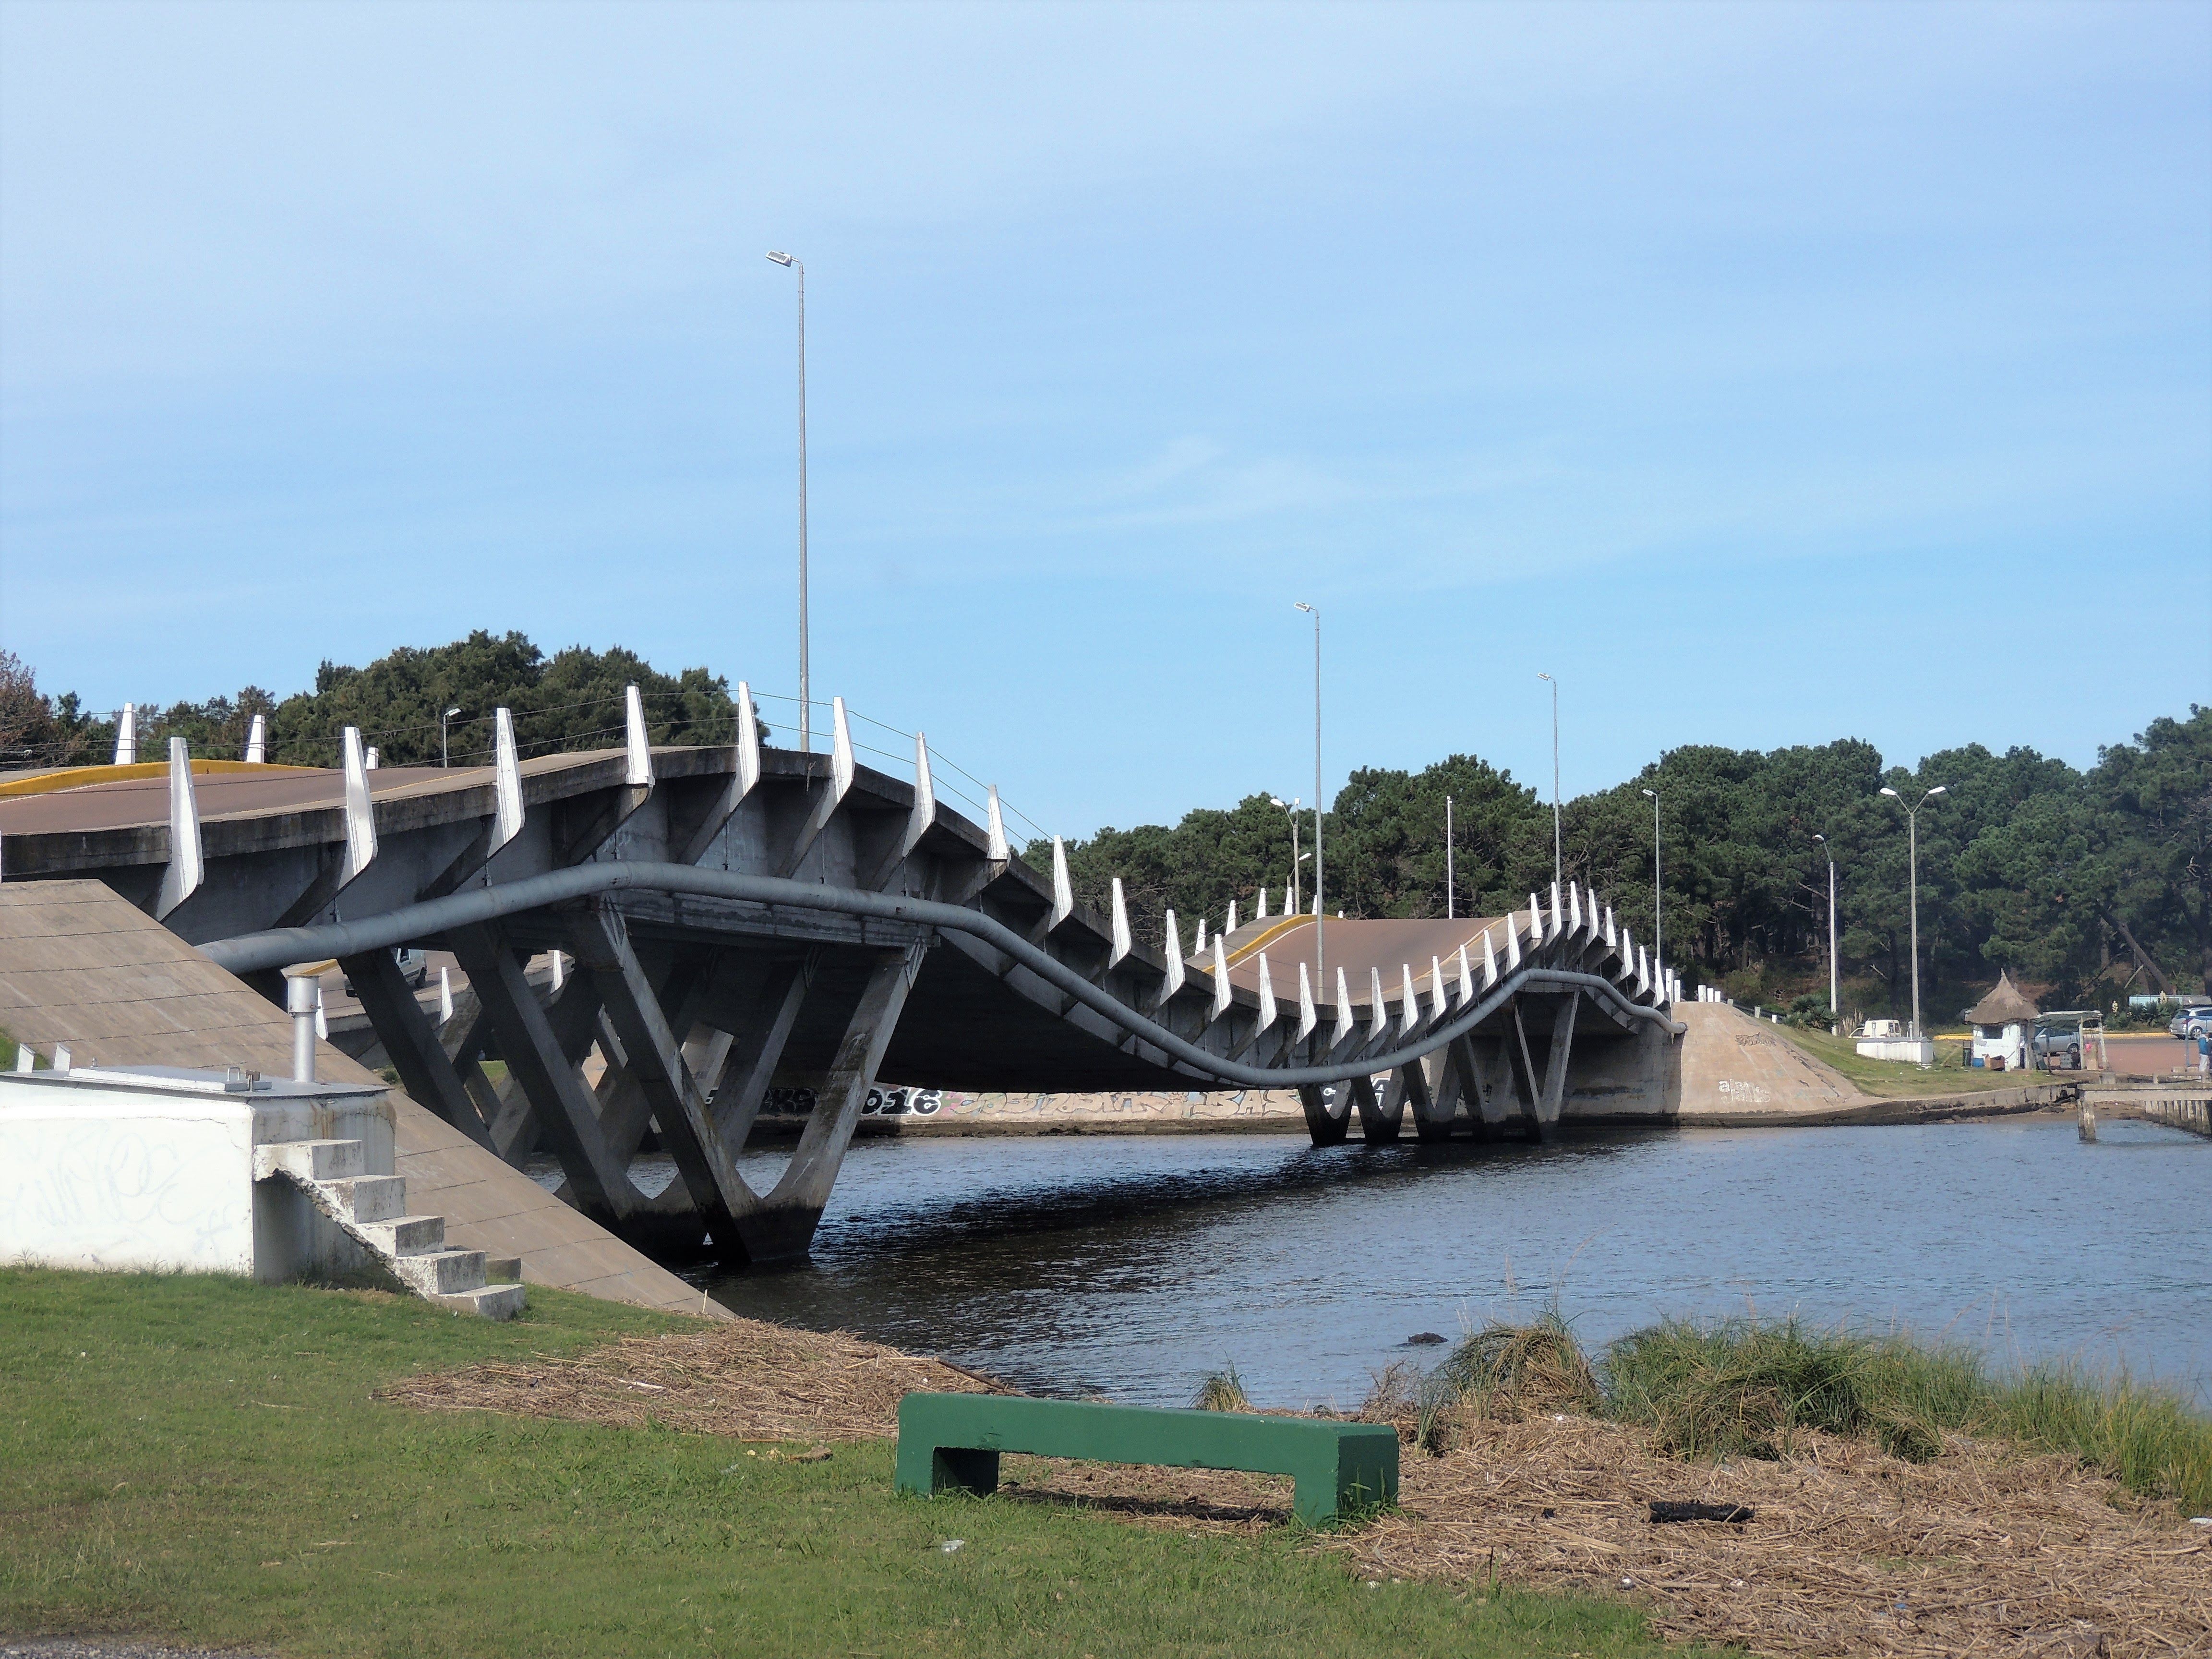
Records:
x=299, y=1000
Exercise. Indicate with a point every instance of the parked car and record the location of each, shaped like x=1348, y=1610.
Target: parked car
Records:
x=2194, y=1020
x=414, y=968
x=2057, y=1045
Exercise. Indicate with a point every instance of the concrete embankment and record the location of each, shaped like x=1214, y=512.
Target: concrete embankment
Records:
x=81, y=966
x=1728, y=1070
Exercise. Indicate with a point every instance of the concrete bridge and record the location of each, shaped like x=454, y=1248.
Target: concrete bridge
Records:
x=742, y=916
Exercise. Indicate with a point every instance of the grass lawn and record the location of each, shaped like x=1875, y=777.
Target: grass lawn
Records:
x=1894, y=1079
x=199, y=1459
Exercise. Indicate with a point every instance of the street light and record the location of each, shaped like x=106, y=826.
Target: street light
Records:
x=1912, y=835
x=1451, y=887
x=1319, y=912
x=442, y=719
x=1658, y=890
x=1557, y=864
x=806, y=726
x=1297, y=858
x=1834, y=1007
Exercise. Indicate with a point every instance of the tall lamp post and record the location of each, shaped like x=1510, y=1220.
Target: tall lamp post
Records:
x=806, y=709
x=1835, y=1007
x=1658, y=888
x=1451, y=886
x=442, y=719
x=1320, y=914
x=1912, y=838
x=1558, y=863
x=1297, y=857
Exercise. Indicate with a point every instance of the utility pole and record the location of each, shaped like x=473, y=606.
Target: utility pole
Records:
x=1658, y=887
x=1451, y=890
x=805, y=706
x=1834, y=1005
x=1321, y=913
x=1912, y=842
x=1559, y=864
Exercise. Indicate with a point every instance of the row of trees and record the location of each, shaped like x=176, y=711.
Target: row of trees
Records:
x=2081, y=882
x=570, y=700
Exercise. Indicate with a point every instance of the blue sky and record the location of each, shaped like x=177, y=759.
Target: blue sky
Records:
x=1769, y=374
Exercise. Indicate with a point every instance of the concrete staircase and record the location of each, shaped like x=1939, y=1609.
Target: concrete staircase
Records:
x=373, y=1210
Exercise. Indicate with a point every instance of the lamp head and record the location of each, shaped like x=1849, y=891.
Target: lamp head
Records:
x=1303, y=605
x=1651, y=795
x=1823, y=838
x=1277, y=800
x=1937, y=790
x=781, y=259
x=1887, y=791
x=454, y=710
x=1546, y=677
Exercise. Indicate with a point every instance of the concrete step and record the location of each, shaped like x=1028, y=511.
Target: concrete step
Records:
x=370, y=1198
x=407, y=1236
x=318, y=1161
x=489, y=1301
x=441, y=1272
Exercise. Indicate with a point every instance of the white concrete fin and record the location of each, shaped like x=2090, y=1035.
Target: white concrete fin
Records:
x=998, y=852
x=1574, y=908
x=1307, y=1017
x=1174, y=981
x=1122, y=943
x=1611, y=939
x=1261, y=915
x=1489, y=961
x=925, y=798
x=1439, y=1003
x=748, y=743
x=1377, y=1015
x=507, y=780
x=1558, y=916
x=61, y=1060
x=1466, y=978
x=181, y=879
x=637, y=750
x=1642, y=971
x=322, y=1022
x=126, y=736
x=445, y=996
x=1220, y=982
x=1409, y=1003
x=1289, y=902
x=1344, y=1020
x=1512, y=944
x=257, y=741
x=1063, y=891
x=1266, y=995
x=24, y=1059
x=359, y=810
x=373, y=760
x=1627, y=950
x=1199, y=949
x=560, y=971
x=840, y=748
x=1231, y=927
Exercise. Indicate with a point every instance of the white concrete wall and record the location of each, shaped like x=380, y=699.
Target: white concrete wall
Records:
x=118, y=1177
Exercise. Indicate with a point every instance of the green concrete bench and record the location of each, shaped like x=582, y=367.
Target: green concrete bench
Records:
x=953, y=1440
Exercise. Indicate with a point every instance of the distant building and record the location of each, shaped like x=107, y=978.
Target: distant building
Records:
x=2004, y=1027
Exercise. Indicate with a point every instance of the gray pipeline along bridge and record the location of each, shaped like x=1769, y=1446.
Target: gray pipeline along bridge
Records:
x=745, y=915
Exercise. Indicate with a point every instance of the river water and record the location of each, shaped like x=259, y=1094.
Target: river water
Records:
x=1131, y=1266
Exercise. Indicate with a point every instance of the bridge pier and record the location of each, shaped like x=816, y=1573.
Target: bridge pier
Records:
x=1327, y=1127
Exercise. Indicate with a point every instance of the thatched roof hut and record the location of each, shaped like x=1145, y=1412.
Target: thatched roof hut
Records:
x=2004, y=1006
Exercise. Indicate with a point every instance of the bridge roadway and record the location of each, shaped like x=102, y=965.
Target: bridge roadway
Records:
x=746, y=917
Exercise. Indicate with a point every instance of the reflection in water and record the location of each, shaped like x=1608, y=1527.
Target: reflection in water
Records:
x=1131, y=1264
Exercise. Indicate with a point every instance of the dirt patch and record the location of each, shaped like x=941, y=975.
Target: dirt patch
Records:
x=1982, y=1550
x=1851, y=1551
x=742, y=1377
